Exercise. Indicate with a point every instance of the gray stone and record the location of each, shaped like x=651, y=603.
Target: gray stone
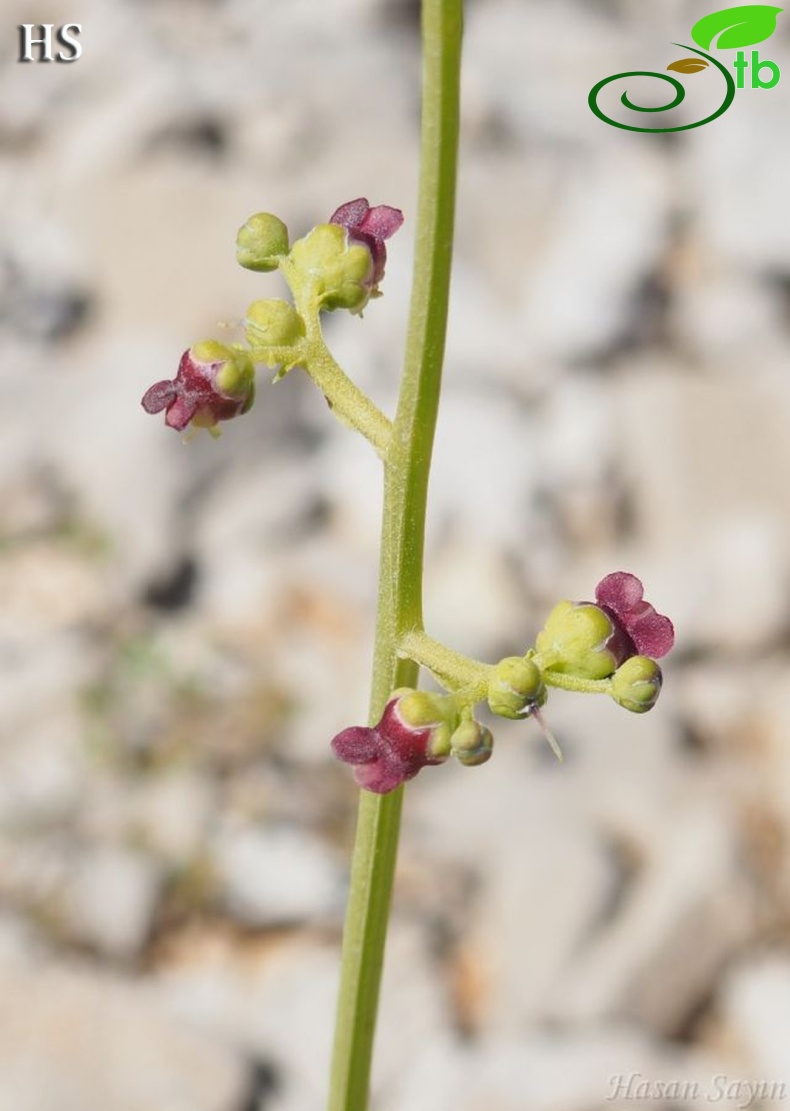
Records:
x=111, y=899
x=275, y=1001
x=75, y=1040
x=270, y=877
x=547, y=1072
x=171, y=816
x=755, y=1016
x=43, y=771
x=648, y=965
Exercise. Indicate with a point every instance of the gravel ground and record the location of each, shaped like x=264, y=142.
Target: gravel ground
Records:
x=184, y=627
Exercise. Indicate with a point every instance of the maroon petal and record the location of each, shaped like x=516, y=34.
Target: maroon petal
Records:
x=403, y=743
x=382, y=775
x=350, y=214
x=159, y=396
x=620, y=591
x=181, y=412
x=378, y=254
x=370, y=226
x=653, y=634
x=381, y=221
x=357, y=745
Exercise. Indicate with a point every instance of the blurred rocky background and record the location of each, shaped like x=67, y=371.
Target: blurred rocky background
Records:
x=184, y=627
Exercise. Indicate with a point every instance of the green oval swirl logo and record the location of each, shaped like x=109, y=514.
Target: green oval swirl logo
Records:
x=677, y=99
x=743, y=25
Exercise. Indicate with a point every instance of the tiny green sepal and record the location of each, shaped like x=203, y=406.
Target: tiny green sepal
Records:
x=636, y=684
x=430, y=710
x=261, y=242
x=422, y=708
x=236, y=377
x=439, y=744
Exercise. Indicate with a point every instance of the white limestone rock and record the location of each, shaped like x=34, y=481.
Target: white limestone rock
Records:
x=276, y=877
x=77, y=1040
x=111, y=899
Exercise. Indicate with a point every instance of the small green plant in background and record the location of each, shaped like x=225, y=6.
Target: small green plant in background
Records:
x=608, y=646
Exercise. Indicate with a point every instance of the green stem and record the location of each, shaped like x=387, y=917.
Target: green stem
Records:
x=347, y=401
x=407, y=466
x=574, y=682
x=349, y=404
x=453, y=670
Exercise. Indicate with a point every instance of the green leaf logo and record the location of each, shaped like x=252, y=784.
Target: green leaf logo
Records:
x=744, y=25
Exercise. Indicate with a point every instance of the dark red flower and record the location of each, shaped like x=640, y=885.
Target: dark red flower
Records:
x=621, y=596
x=394, y=750
x=370, y=226
x=213, y=383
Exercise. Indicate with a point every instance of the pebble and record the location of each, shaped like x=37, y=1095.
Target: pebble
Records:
x=616, y=396
x=111, y=900
x=75, y=1039
x=276, y=877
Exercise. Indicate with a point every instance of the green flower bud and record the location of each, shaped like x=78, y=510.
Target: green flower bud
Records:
x=636, y=684
x=515, y=687
x=273, y=323
x=472, y=743
x=213, y=383
x=580, y=638
x=261, y=242
x=338, y=269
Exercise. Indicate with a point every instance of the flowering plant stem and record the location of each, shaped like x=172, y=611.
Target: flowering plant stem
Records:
x=406, y=470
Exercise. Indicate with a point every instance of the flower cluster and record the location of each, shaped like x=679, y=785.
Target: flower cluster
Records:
x=608, y=646
x=213, y=383
x=417, y=728
x=337, y=265
x=592, y=639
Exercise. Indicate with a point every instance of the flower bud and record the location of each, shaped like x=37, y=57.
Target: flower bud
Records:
x=515, y=687
x=261, y=242
x=370, y=226
x=414, y=732
x=338, y=269
x=273, y=323
x=472, y=743
x=213, y=383
x=580, y=638
x=636, y=684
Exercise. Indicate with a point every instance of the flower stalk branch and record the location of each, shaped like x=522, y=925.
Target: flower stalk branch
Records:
x=348, y=403
x=453, y=670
